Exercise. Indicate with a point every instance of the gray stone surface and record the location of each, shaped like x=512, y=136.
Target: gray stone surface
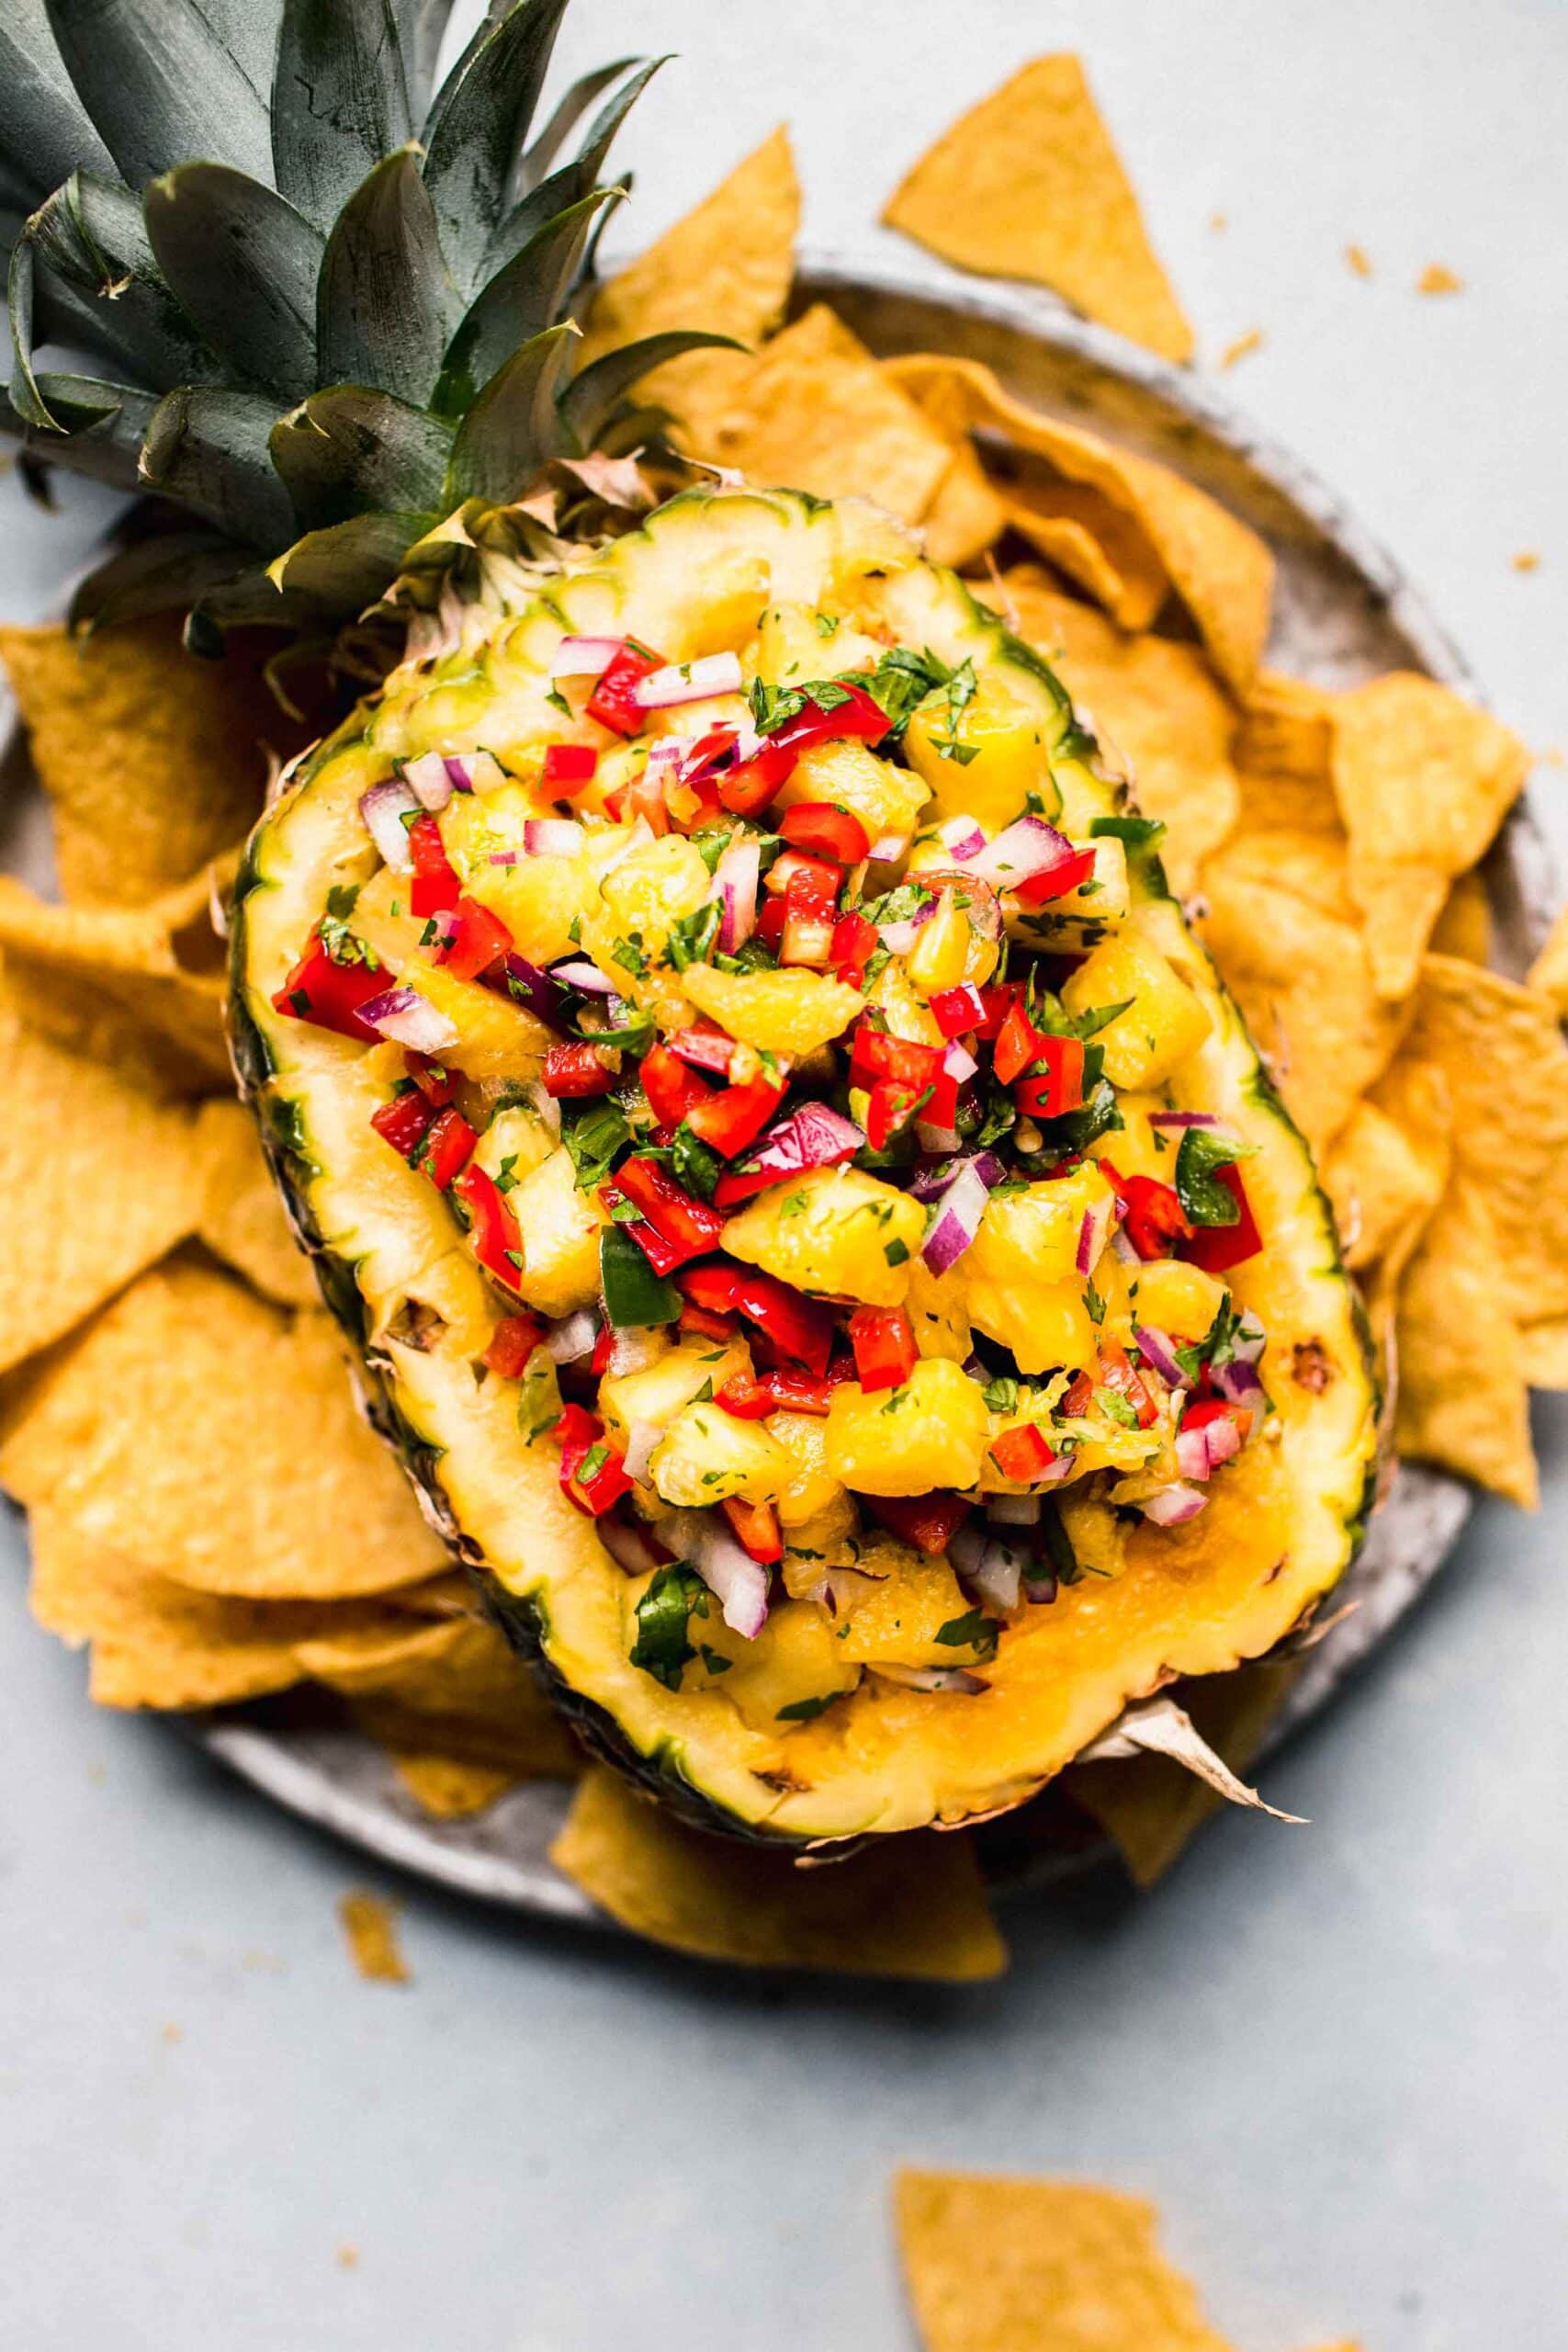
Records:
x=1336, y=2055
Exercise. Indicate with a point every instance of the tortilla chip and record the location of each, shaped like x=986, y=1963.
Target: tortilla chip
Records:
x=445, y=1787
x=1549, y=973
x=456, y=1687
x=1423, y=781
x=154, y=762
x=97, y=1180
x=1463, y=928
x=996, y=2265
x=1462, y=1401
x=1147, y=1805
x=1029, y=185
x=1544, y=1354
x=1222, y=570
x=815, y=411
x=370, y=1924
x=910, y=1906
x=1439, y=279
x=1301, y=977
x=1156, y=703
x=242, y=1217
x=966, y=516
x=1310, y=864
x=1288, y=727
x=1095, y=544
x=212, y=1438
x=727, y=267
x=1384, y=1177
x=1500, y=1049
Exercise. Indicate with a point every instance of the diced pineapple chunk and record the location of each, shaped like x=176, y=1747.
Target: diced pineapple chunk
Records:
x=886, y=799
x=1081, y=920
x=931, y=1432
x=1019, y=1272
x=795, y=1665
x=813, y=1488
x=641, y=899
x=658, y=1391
x=495, y=1038
x=831, y=1540
x=383, y=919
x=895, y=1612
x=935, y=1306
x=515, y=1142
x=707, y=1456
x=1164, y=1023
x=560, y=1228
x=796, y=643
x=832, y=1230
x=903, y=1010
x=1098, y=1537
x=1178, y=1299
x=790, y=1013
x=1011, y=758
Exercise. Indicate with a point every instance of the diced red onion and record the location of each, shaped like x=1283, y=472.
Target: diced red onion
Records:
x=1239, y=1385
x=1013, y=1510
x=900, y=938
x=993, y=1566
x=1193, y=1453
x=1094, y=1232
x=411, y=1020
x=961, y=837
x=1183, y=1119
x=888, y=848
x=679, y=681
x=740, y=1581
x=1124, y=1248
x=813, y=1136
x=631, y=1546
x=525, y=984
x=641, y=1439
x=503, y=857
x=931, y=1183
x=735, y=882
x=1029, y=845
x=957, y=1220
x=1225, y=1441
x=552, y=836
x=474, y=770
x=1173, y=1506
x=580, y=974
x=1249, y=1339
x=633, y=1351
x=703, y=1048
x=933, y=1678
x=1159, y=1350
x=430, y=781
x=573, y=1337
x=1040, y=1589
x=384, y=807
x=547, y=1106
x=959, y=1063
x=584, y=657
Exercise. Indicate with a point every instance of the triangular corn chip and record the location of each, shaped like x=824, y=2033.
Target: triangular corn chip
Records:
x=1549, y=973
x=1095, y=543
x=241, y=1218
x=1462, y=1400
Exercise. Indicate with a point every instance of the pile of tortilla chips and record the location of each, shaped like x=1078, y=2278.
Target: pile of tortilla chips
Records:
x=208, y=1511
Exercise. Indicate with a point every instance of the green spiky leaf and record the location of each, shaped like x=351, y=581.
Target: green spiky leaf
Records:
x=573, y=106
x=478, y=127
x=338, y=100
x=243, y=265
x=44, y=130
x=515, y=426
x=351, y=448
x=384, y=299
x=520, y=301
x=102, y=426
x=26, y=397
x=208, y=450
x=592, y=397
x=161, y=86
x=99, y=287
x=347, y=567
x=422, y=26
x=153, y=575
x=247, y=601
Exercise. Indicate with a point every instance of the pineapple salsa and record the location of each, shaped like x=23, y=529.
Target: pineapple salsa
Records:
x=775, y=1013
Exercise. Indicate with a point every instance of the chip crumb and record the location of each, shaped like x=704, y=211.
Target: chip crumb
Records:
x=370, y=1924
x=1219, y=222
x=1528, y=559
x=1360, y=260
x=1243, y=347
x=171, y=2032
x=348, y=2257
x=1438, y=278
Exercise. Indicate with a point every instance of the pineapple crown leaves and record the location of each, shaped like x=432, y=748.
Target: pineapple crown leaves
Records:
x=308, y=294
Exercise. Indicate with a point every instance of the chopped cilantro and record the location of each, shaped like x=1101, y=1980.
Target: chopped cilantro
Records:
x=1001, y=1394
x=826, y=624
x=715, y=1660
x=1094, y=1303
x=675, y=1596
x=1204, y=1199
x=557, y=701
x=694, y=935
x=897, y=1253
x=975, y=1631
x=594, y=1134
x=805, y=1711
x=694, y=1164
x=628, y=954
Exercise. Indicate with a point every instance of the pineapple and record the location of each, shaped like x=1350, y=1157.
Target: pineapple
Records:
x=330, y=324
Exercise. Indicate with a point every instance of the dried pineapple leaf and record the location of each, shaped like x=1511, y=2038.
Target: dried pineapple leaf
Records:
x=1159, y=1727
x=1028, y=184
x=914, y=1906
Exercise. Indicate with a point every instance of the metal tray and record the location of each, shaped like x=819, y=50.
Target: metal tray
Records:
x=1344, y=610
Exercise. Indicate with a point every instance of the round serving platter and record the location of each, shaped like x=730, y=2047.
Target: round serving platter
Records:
x=1343, y=611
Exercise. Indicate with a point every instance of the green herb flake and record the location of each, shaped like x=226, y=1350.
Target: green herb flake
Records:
x=673, y=1598
x=975, y=1631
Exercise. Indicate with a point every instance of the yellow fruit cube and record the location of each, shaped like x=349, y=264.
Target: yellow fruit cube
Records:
x=813, y=1488
x=831, y=1540
x=657, y=1392
x=1011, y=755
x=931, y=1432
x=797, y=644
x=895, y=1617
x=495, y=1038
x=832, y=1230
x=936, y=1306
x=560, y=1228
x=951, y=948
x=1081, y=920
x=793, y=1669
x=1180, y=1300
x=382, y=918
x=886, y=799
x=789, y=1013
x=707, y=1456
x=1164, y=1023
x=515, y=1142
x=1020, y=1272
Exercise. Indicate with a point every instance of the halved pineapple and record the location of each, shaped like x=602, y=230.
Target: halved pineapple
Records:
x=859, y=1660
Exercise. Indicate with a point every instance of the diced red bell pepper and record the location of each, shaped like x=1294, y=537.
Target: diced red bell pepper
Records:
x=824, y=830
x=612, y=703
x=927, y=1521
x=1019, y=1043
x=448, y=1146
x=476, y=940
x=497, y=1243
x=1069, y=873
x=703, y=1048
x=1154, y=1216
x=776, y=1390
x=810, y=884
x=567, y=767
x=662, y=1256
x=955, y=1010
x=756, y=1529
x=874, y=1054
x=1050, y=1094
x=998, y=1002
x=1122, y=1378
x=671, y=1088
x=402, y=1121
x=888, y=1107
x=1077, y=1397
x=574, y=1072
x=687, y=1224
x=731, y=1120
x=603, y=1350
x=644, y=798
x=1218, y=1248
x=433, y=1080
x=512, y=1343
x=883, y=1339
x=1200, y=1412
x=772, y=916
x=1023, y=1454
x=801, y=1327
x=855, y=941
x=592, y=1475
x=436, y=888
x=329, y=995
x=748, y=788
x=706, y=1325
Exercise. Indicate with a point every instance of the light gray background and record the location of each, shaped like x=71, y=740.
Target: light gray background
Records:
x=1336, y=2055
